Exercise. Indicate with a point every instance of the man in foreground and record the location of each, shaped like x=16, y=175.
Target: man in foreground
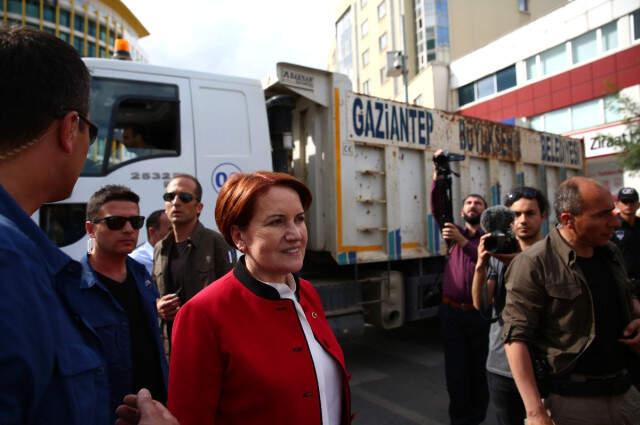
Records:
x=50, y=361
x=569, y=311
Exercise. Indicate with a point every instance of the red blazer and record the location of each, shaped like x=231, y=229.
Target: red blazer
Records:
x=239, y=356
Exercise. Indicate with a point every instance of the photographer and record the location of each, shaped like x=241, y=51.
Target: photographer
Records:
x=465, y=332
x=528, y=208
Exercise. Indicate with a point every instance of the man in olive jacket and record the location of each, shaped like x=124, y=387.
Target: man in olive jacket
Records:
x=191, y=256
x=570, y=313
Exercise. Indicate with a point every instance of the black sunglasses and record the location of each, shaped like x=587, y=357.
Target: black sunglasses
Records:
x=185, y=197
x=117, y=222
x=93, y=129
x=521, y=193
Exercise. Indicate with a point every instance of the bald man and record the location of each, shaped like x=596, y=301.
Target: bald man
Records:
x=569, y=311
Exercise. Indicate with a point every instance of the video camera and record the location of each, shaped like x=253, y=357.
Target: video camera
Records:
x=497, y=221
x=443, y=185
x=442, y=163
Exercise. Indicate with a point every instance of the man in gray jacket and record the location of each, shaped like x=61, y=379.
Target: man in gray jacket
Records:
x=191, y=256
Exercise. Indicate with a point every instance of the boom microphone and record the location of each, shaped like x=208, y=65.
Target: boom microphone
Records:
x=497, y=218
x=497, y=222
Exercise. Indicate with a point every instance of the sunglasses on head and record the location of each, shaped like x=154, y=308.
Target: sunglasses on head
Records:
x=117, y=222
x=522, y=193
x=185, y=197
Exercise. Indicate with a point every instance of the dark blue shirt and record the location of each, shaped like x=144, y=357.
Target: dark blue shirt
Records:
x=125, y=328
x=51, y=369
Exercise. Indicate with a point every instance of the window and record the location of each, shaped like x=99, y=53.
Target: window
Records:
x=383, y=75
x=382, y=42
x=92, y=28
x=612, y=109
x=506, y=78
x=587, y=114
x=584, y=47
x=49, y=13
x=382, y=10
x=33, y=10
x=103, y=52
x=466, y=94
x=486, y=86
x=636, y=24
x=78, y=43
x=64, y=36
x=79, y=23
x=344, y=48
x=64, y=18
x=15, y=6
x=554, y=60
x=135, y=120
x=364, y=28
x=532, y=68
x=63, y=223
x=365, y=58
x=537, y=123
x=523, y=5
x=610, y=36
x=557, y=121
x=365, y=87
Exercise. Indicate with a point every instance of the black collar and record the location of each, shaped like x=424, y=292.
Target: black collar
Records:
x=258, y=288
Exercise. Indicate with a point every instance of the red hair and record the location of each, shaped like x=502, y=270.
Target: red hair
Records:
x=238, y=195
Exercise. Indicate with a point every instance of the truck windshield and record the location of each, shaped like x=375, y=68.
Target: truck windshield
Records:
x=136, y=120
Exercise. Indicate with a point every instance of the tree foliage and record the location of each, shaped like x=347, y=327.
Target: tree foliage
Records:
x=629, y=141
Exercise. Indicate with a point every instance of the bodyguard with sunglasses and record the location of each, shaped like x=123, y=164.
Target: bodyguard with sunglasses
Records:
x=190, y=256
x=118, y=299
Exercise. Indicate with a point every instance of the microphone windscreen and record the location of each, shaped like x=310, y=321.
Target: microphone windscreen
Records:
x=496, y=218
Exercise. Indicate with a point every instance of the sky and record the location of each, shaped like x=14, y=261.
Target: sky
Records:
x=241, y=38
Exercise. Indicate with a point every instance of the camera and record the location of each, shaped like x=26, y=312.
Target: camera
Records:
x=497, y=222
x=442, y=162
x=501, y=243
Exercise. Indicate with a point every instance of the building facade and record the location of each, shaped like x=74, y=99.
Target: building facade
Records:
x=91, y=26
x=562, y=74
x=430, y=33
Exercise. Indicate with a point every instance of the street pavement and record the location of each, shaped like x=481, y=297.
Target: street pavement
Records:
x=398, y=376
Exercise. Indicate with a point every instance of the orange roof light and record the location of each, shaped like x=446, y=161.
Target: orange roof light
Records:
x=122, y=49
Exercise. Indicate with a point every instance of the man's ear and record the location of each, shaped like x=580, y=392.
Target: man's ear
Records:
x=68, y=131
x=567, y=219
x=90, y=228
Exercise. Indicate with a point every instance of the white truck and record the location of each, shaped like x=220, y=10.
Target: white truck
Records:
x=374, y=251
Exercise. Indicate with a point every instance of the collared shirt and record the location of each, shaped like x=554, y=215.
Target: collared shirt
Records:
x=144, y=255
x=461, y=262
x=461, y=265
x=327, y=371
x=50, y=361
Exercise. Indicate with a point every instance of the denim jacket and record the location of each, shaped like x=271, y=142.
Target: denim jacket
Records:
x=50, y=362
x=100, y=309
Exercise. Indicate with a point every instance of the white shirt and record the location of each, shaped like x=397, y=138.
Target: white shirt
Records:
x=327, y=371
x=144, y=255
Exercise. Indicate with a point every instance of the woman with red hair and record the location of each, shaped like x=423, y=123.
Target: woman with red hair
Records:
x=255, y=347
